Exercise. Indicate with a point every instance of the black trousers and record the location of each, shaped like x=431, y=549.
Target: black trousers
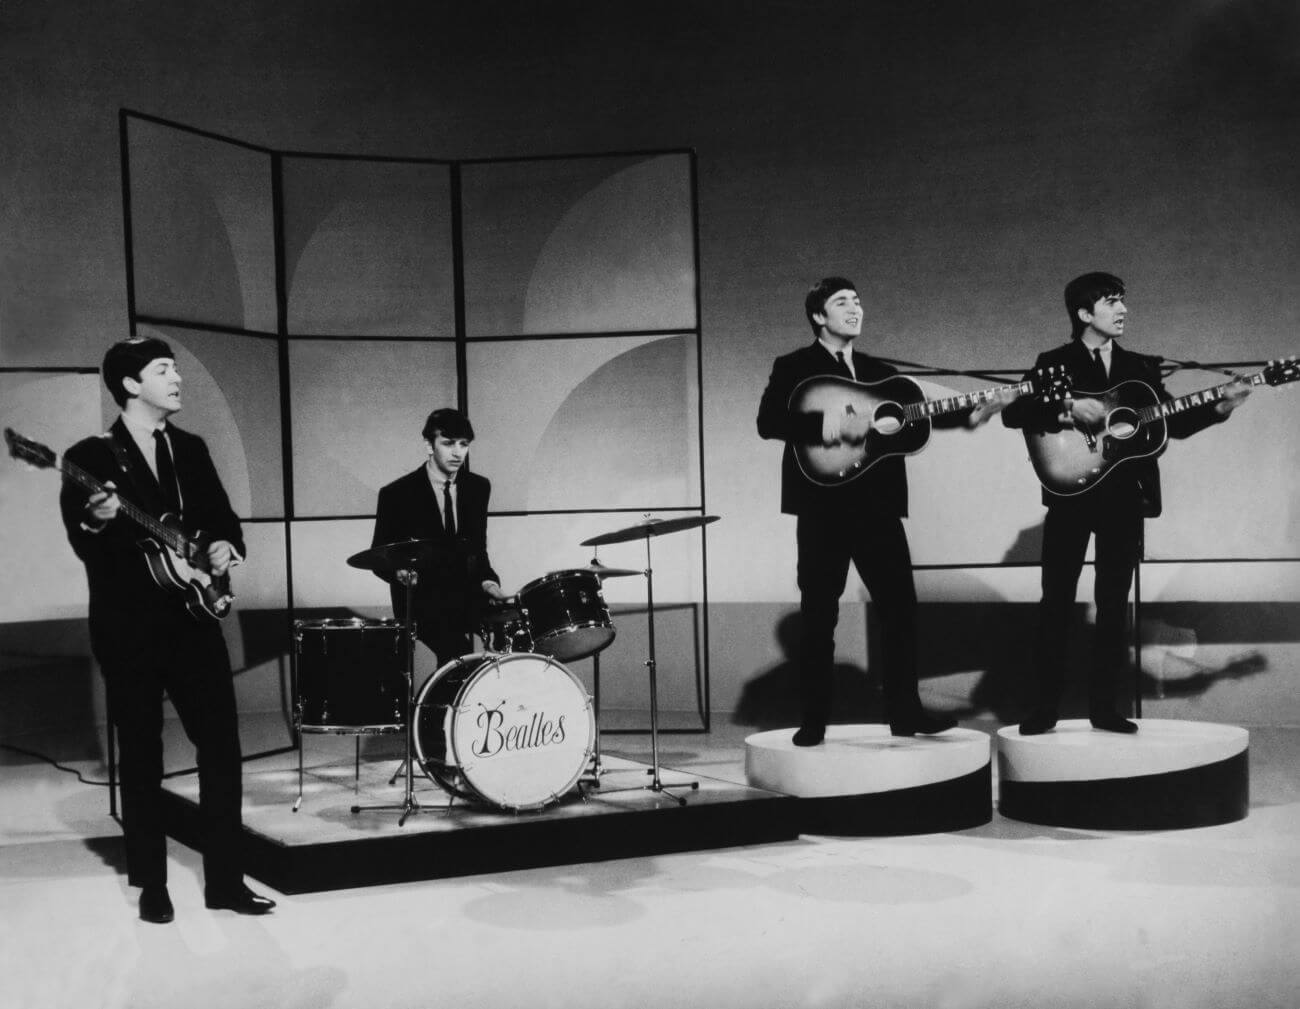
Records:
x=877, y=547
x=1112, y=516
x=189, y=661
x=447, y=643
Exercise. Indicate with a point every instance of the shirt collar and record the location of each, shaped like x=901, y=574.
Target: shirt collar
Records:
x=141, y=430
x=847, y=352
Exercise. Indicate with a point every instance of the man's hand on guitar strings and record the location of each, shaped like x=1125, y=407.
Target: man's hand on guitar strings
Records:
x=220, y=554
x=1088, y=412
x=854, y=427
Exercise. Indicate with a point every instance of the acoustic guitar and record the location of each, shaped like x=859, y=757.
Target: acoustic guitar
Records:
x=900, y=417
x=1076, y=458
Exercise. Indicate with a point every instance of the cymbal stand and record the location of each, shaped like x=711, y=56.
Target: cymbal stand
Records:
x=597, y=768
x=409, y=804
x=656, y=784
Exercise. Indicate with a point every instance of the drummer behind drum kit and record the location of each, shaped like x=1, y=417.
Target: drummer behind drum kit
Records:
x=510, y=726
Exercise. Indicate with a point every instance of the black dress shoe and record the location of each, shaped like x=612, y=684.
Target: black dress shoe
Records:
x=1111, y=722
x=156, y=905
x=1036, y=725
x=922, y=722
x=241, y=901
x=809, y=734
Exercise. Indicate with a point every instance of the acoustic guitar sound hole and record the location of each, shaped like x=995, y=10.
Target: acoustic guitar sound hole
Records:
x=1122, y=423
x=888, y=418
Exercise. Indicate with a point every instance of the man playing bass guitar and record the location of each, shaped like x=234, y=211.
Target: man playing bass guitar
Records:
x=1107, y=501
x=144, y=636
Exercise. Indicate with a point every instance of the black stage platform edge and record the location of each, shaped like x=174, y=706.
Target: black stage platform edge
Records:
x=936, y=808
x=1194, y=797
x=400, y=857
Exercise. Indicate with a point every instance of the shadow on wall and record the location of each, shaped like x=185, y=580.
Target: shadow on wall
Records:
x=992, y=641
x=770, y=700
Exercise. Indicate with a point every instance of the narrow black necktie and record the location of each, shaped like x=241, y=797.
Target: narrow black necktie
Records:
x=449, y=509
x=844, y=365
x=171, y=491
x=1096, y=356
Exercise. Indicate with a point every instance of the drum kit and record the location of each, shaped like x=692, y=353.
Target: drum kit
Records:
x=510, y=726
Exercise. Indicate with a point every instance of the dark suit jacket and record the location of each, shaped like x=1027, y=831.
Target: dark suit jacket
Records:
x=127, y=608
x=882, y=489
x=1143, y=475
x=408, y=509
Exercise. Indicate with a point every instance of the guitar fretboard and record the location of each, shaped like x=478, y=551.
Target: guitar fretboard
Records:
x=168, y=536
x=963, y=401
x=1194, y=399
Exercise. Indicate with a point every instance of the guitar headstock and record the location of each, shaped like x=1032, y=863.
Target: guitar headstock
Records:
x=29, y=451
x=1282, y=371
x=1052, y=384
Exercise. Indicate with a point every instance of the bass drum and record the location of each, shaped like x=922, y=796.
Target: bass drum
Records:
x=513, y=730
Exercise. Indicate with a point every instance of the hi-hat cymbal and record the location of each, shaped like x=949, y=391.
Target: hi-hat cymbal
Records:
x=649, y=527
x=403, y=555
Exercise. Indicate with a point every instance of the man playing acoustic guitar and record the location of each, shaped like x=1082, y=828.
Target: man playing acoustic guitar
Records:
x=144, y=636
x=1104, y=499
x=854, y=515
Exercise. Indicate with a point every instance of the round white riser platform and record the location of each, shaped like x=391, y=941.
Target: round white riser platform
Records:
x=862, y=780
x=1169, y=774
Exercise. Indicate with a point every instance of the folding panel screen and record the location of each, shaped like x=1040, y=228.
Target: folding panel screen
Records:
x=322, y=306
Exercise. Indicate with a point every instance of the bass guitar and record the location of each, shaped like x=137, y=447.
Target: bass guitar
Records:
x=1076, y=458
x=900, y=417
x=176, y=559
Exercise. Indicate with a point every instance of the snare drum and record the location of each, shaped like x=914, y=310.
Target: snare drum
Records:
x=513, y=730
x=351, y=676
x=567, y=615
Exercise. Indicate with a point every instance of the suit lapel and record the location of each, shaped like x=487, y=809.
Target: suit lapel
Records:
x=1089, y=375
x=1122, y=365
x=143, y=489
x=430, y=504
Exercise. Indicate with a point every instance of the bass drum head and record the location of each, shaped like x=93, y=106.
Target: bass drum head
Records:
x=433, y=710
x=519, y=731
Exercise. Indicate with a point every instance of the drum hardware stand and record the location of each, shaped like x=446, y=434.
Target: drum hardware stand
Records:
x=408, y=577
x=656, y=784
x=597, y=768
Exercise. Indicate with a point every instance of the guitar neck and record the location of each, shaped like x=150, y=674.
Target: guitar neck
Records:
x=1195, y=399
x=168, y=536
x=963, y=401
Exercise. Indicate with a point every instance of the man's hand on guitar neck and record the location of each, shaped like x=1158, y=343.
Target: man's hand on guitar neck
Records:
x=1233, y=397
x=102, y=508
x=985, y=412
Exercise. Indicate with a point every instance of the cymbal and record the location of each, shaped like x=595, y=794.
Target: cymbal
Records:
x=649, y=527
x=403, y=555
x=600, y=571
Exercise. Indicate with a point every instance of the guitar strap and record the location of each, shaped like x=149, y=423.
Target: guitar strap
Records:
x=123, y=463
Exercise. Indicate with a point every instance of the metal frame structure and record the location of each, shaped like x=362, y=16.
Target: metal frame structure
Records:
x=460, y=338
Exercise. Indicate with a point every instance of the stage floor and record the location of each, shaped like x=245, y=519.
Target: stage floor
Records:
x=325, y=846
x=1004, y=914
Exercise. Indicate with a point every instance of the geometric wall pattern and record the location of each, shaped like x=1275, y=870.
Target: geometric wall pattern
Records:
x=322, y=306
